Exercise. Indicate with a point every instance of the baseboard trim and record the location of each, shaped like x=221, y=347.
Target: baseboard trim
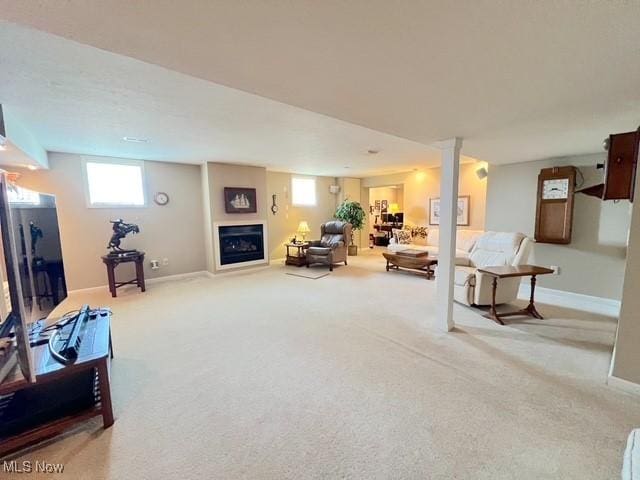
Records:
x=624, y=385
x=148, y=281
x=88, y=289
x=178, y=276
x=576, y=301
x=238, y=271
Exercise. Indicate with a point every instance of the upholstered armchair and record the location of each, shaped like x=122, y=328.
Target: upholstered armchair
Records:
x=471, y=287
x=332, y=246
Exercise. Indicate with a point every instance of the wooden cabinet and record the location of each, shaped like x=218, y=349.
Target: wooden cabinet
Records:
x=554, y=210
x=620, y=169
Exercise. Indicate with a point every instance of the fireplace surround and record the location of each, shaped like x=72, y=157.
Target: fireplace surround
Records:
x=240, y=244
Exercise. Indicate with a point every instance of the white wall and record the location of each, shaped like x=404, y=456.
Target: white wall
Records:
x=284, y=224
x=221, y=175
x=420, y=186
x=594, y=262
x=174, y=231
x=280, y=227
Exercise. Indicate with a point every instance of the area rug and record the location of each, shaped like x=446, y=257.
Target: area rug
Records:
x=311, y=275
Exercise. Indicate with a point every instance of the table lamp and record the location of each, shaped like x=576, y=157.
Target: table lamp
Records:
x=303, y=229
x=393, y=209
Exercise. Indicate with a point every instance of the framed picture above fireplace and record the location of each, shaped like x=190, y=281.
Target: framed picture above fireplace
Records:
x=240, y=200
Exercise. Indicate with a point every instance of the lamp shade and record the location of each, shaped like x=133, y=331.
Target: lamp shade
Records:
x=303, y=227
x=393, y=208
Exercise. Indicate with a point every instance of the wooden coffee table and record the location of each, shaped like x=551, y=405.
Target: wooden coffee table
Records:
x=410, y=259
x=508, y=272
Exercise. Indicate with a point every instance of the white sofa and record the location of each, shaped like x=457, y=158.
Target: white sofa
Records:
x=475, y=249
x=492, y=249
x=465, y=241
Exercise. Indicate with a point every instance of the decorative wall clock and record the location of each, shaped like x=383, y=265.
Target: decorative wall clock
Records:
x=554, y=211
x=274, y=206
x=161, y=198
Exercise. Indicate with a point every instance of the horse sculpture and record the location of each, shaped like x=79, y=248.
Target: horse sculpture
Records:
x=121, y=230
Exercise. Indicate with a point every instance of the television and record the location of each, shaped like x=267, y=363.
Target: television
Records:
x=33, y=271
x=391, y=218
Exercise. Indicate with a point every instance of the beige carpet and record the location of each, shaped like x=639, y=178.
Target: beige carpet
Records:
x=271, y=376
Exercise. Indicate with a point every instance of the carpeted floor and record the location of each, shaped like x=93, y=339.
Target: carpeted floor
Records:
x=271, y=376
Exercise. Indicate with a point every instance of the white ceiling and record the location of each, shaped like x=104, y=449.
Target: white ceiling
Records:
x=80, y=99
x=519, y=80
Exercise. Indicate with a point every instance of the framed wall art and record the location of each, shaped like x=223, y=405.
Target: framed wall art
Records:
x=463, y=211
x=240, y=200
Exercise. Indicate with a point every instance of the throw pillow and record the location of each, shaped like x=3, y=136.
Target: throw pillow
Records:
x=403, y=237
x=419, y=235
x=419, y=232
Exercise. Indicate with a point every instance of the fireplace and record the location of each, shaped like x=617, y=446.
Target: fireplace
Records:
x=240, y=245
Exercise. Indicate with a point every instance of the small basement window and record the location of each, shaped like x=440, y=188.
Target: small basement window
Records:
x=303, y=191
x=115, y=184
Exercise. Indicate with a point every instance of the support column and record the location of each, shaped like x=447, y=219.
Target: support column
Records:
x=450, y=169
x=208, y=223
x=625, y=364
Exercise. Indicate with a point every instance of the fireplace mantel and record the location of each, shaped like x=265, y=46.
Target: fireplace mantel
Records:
x=240, y=264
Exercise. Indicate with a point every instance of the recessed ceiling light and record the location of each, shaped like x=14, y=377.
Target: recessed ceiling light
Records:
x=135, y=140
x=373, y=151
x=32, y=167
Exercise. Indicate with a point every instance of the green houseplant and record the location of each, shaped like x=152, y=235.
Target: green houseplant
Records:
x=352, y=212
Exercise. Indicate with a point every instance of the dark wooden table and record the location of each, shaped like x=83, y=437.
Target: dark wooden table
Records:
x=412, y=260
x=299, y=257
x=508, y=272
x=98, y=359
x=112, y=261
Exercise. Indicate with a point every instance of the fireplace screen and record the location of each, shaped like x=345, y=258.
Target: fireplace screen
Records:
x=241, y=243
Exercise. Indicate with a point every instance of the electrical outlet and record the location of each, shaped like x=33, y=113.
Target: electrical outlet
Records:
x=165, y=261
x=155, y=265
x=556, y=269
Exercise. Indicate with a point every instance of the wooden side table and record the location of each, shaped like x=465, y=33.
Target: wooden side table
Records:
x=508, y=272
x=112, y=261
x=299, y=256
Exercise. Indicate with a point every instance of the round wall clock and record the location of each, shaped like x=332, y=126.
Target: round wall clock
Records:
x=161, y=198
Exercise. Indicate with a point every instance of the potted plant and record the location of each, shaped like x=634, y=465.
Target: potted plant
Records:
x=353, y=213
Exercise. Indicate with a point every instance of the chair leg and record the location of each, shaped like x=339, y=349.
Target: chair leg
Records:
x=345, y=261
x=331, y=267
